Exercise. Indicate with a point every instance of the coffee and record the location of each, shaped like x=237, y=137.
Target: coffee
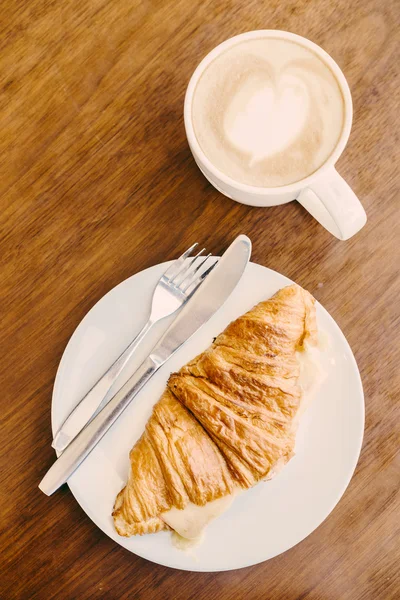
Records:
x=268, y=112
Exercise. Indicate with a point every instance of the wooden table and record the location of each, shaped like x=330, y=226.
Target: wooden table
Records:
x=97, y=182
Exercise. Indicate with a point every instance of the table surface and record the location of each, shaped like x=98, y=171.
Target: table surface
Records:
x=97, y=182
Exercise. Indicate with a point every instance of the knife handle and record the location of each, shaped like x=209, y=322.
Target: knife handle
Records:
x=88, y=438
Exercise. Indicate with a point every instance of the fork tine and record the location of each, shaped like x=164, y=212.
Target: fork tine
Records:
x=172, y=270
x=194, y=284
x=191, y=272
x=184, y=269
x=189, y=250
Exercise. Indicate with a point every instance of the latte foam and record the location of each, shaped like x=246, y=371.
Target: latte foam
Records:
x=268, y=112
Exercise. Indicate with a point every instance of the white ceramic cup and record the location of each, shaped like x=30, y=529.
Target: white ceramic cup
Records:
x=324, y=193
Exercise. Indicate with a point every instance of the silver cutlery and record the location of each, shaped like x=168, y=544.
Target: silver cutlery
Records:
x=216, y=288
x=173, y=290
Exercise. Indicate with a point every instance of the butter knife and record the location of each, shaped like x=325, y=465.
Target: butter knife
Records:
x=208, y=299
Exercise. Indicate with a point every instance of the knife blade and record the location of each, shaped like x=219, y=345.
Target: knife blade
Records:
x=208, y=299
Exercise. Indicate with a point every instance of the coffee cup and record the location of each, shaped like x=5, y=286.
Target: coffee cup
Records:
x=267, y=115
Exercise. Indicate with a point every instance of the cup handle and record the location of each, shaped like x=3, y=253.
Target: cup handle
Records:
x=333, y=203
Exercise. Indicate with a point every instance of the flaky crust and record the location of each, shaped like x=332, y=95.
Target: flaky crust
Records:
x=225, y=419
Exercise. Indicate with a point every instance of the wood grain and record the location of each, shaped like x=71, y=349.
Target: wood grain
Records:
x=96, y=183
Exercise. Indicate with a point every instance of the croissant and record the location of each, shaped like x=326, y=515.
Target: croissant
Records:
x=226, y=420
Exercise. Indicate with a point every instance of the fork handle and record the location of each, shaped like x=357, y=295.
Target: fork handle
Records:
x=96, y=397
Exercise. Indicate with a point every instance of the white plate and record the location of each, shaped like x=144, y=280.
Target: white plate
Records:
x=263, y=521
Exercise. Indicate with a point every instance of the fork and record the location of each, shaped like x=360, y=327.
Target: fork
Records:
x=175, y=287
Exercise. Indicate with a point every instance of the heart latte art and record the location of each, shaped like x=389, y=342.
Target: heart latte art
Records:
x=268, y=112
